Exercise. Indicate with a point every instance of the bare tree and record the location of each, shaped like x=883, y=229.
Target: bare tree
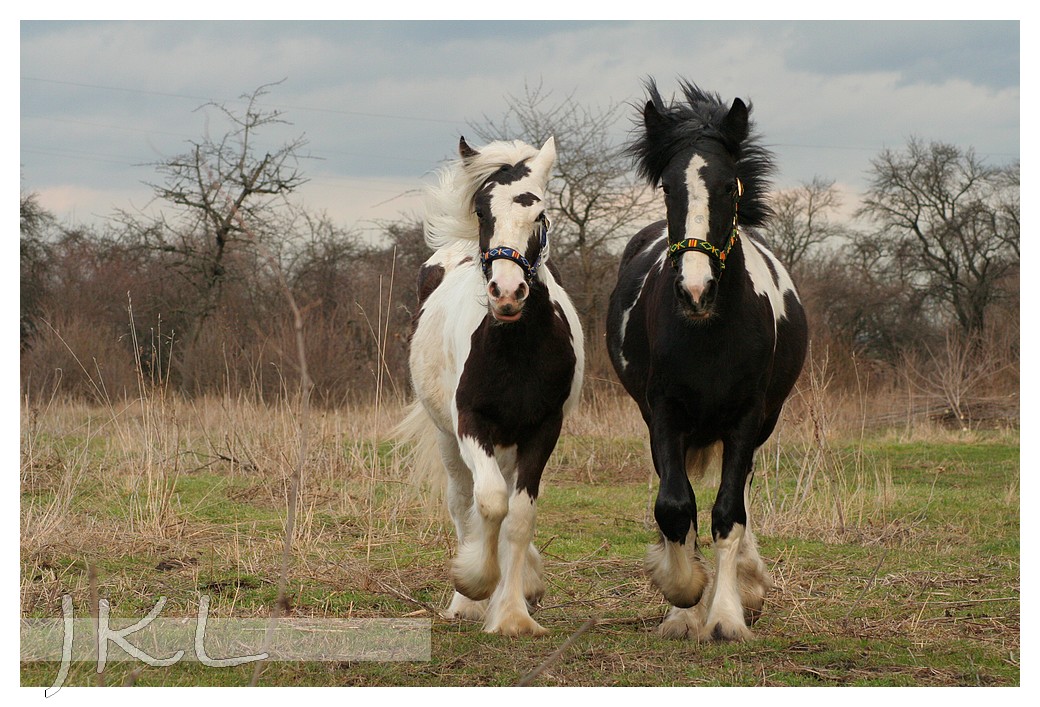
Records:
x=226, y=192
x=950, y=223
x=34, y=251
x=598, y=203
x=802, y=221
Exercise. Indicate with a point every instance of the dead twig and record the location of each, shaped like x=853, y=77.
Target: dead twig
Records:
x=870, y=583
x=529, y=679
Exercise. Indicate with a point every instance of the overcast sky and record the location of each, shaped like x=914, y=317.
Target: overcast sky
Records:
x=383, y=103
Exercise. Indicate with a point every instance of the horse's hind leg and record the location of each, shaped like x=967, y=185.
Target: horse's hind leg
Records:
x=460, y=505
x=534, y=582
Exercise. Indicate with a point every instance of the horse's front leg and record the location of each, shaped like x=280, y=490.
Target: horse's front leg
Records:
x=736, y=556
x=752, y=575
x=521, y=567
x=476, y=568
x=674, y=564
x=460, y=504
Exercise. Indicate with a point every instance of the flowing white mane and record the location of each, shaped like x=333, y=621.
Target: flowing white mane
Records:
x=449, y=202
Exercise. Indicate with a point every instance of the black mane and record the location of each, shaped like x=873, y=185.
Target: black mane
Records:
x=697, y=120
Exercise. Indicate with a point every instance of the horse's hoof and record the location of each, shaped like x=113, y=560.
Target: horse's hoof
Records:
x=751, y=616
x=533, y=596
x=462, y=607
x=721, y=632
x=676, y=629
x=682, y=624
x=517, y=625
x=752, y=601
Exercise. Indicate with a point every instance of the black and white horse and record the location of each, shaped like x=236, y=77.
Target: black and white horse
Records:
x=707, y=334
x=496, y=360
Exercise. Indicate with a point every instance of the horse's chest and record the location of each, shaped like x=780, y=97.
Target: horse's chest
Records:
x=708, y=386
x=516, y=382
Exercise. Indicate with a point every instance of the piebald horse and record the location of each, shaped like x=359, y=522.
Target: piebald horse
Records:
x=496, y=361
x=707, y=334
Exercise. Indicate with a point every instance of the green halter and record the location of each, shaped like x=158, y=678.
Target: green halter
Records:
x=696, y=244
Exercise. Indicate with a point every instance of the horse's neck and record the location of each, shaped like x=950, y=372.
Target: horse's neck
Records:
x=734, y=279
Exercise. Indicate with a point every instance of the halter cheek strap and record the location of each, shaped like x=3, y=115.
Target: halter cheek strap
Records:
x=505, y=253
x=720, y=254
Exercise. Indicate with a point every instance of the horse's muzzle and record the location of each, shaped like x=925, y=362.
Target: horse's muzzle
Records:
x=508, y=313
x=697, y=302
x=507, y=306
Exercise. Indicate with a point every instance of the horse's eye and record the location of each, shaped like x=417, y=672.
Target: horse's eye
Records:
x=480, y=214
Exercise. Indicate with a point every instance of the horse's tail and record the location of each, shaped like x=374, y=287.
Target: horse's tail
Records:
x=699, y=459
x=415, y=439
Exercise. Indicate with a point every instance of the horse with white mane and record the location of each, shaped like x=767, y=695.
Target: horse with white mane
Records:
x=496, y=360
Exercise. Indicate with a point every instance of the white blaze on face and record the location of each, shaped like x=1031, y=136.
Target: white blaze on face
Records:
x=696, y=265
x=515, y=207
x=513, y=227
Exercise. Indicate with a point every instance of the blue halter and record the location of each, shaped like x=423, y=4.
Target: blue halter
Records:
x=505, y=253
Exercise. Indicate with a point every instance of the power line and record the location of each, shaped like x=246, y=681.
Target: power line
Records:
x=334, y=111
x=184, y=136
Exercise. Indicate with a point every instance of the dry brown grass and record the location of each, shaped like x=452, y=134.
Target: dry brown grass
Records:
x=105, y=480
x=176, y=497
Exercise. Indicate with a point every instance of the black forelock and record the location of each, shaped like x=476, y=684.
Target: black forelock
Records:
x=692, y=123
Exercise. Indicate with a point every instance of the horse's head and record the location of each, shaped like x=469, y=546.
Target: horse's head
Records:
x=698, y=153
x=510, y=207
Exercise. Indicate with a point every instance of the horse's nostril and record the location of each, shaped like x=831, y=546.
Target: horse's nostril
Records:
x=697, y=298
x=521, y=292
x=682, y=293
x=493, y=290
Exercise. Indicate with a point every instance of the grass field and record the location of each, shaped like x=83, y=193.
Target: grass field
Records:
x=895, y=553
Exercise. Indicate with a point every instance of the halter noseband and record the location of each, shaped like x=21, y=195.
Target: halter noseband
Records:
x=506, y=253
x=720, y=254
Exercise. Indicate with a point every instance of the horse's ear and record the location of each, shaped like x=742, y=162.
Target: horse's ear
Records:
x=466, y=152
x=735, y=124
x=653, y=121
x=542, y=163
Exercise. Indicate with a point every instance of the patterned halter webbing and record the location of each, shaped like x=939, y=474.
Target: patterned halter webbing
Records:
x=506, y=253
x=720, y=254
